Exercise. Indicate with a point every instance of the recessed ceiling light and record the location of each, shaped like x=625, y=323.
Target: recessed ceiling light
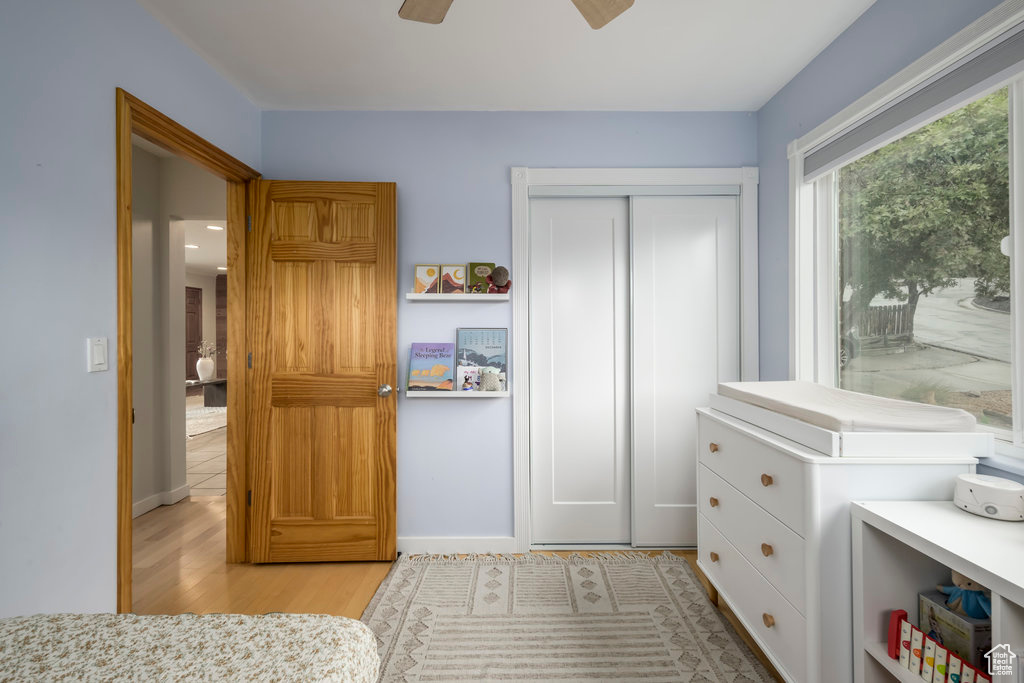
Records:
x=214, y=227
x=222, y=267
x=191, y=246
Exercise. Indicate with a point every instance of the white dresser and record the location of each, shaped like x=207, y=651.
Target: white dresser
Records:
x=774, y=522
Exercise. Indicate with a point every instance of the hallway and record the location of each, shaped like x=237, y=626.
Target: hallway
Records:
x=206, y=463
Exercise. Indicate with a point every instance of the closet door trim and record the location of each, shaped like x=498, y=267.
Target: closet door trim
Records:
x=634, y=190
x=524, y=180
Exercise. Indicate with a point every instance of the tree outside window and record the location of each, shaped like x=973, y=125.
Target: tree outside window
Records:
x=923, y=284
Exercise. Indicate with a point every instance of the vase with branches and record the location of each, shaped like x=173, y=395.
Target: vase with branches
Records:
x=205, y=366
x=206, y=349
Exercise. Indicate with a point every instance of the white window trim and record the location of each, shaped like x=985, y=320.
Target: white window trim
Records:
x=523, y=179
x=812, y=277
x=1017, y=255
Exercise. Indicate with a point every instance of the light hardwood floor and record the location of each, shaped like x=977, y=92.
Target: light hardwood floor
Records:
x=178, y=567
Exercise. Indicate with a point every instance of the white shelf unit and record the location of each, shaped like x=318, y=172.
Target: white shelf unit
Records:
x=901, y=548
x=456, y=394
x=881, y=655
x=459, y=298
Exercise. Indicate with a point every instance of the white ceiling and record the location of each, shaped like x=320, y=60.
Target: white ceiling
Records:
x=661, y=55
x=213, y=247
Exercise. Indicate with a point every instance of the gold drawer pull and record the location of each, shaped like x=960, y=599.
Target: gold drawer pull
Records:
x=714, y=556
x=767, y=550
x=713, y=447
x=766, y=480
x=713, y=502
x=768, y=620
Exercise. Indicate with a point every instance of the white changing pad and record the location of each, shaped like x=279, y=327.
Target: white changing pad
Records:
x=847, y=411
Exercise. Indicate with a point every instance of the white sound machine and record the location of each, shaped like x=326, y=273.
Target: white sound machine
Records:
x=987, y=496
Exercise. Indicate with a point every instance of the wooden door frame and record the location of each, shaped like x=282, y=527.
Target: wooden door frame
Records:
x=136, y=117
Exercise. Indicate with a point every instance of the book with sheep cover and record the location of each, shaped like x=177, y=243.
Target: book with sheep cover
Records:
x=431, y=366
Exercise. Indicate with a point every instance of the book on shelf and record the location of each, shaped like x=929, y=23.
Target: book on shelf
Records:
x=476, y=277
x=428, y=279
x=941, y=664
x=955, y=667
x=916, y=645
x=467, y=377
x=928, y=659
x=431, y=366
x=482, y=347
x=453, y=278
x=967, y=638
x=904, y=655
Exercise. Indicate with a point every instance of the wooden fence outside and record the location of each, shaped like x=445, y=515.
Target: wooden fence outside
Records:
x=886, y=323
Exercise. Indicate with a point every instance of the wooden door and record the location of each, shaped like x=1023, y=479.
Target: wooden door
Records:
x=322, y=297
x=193, y=329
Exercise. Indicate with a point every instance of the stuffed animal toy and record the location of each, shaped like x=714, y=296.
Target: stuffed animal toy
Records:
x=497, y=281
x=967, y=597
x=489, y=380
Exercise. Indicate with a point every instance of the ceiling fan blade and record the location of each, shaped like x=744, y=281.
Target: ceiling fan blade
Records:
x=427, y=11
x=600, y=12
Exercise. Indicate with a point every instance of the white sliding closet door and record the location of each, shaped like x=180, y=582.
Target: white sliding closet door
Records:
x=579, y=353
x=685, y=339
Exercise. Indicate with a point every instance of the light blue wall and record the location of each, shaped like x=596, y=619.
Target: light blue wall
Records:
x=454, y=205
x=57, y=256
x=886, y=38
x=58, y=424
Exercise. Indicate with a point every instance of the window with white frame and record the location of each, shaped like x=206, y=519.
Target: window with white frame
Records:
x=905, y=240
x=923, y=287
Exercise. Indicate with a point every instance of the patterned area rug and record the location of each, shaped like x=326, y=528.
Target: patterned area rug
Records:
x=611, y=617
x=201, y=420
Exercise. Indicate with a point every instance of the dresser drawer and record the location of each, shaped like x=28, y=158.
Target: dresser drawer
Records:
x=768, y=476
x=774, y=623
x=774, y=549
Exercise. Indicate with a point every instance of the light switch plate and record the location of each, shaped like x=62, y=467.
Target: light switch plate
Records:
x=96, y=354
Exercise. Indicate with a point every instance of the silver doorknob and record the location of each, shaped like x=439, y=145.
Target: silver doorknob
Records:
x=384, y=390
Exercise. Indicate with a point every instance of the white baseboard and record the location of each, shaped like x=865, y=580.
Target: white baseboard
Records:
x=419, y=545
x=157, y=499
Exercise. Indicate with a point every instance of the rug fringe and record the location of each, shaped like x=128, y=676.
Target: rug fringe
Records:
x=577, y=557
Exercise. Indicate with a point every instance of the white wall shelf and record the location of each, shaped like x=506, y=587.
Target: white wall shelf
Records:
x=456, y=394
x=901, y=548
x=463, y=298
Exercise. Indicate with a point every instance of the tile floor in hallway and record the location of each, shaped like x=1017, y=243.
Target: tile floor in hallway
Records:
x=206, y=463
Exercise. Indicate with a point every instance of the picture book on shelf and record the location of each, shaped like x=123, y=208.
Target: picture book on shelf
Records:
x=955, y=667
x=904, y=656
x=967, y=638
x=916, y=645
x=453, y=279
x=476, y=277
x=941, y=666
x=928, y=659
x=428, y=278
x=479, y=347
x=467, y=377
x=431, y=366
